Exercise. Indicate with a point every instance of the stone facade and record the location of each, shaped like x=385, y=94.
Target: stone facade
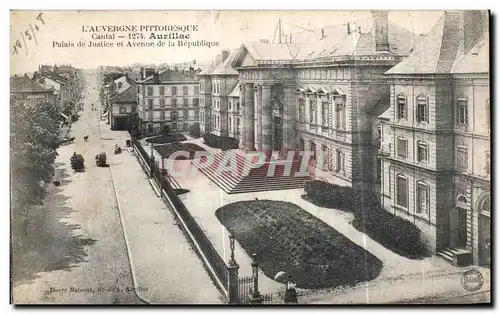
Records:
x=169, y=98
x=435, y=150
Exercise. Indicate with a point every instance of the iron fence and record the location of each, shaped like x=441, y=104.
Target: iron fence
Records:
x=213, y=257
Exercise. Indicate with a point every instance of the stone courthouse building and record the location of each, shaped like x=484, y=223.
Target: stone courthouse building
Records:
x=402, y=114
x=321, y=93
x=435, y=151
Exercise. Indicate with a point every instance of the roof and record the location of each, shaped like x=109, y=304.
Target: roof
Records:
x=330, y=41
x=128, y=94
x=24, y=84
x=169, y=75
x=477, y=60
x=441, y=51
x=225, y=67
x=235, y=92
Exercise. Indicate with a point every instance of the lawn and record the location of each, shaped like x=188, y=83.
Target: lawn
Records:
x=287, y=238
x=168, y=138
x=169, y=149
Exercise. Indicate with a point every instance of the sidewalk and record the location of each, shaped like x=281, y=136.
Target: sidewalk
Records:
x=165, y=268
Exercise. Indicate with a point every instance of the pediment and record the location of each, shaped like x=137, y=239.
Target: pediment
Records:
x=248, y=61
x=244, y=58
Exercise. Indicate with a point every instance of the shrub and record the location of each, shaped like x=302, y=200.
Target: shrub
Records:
x=194, y=130
x=222, y=142
x=393, y=232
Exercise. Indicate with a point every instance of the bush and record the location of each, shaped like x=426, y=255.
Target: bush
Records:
x=393, y=232
x=194, y=130
x=222, y=142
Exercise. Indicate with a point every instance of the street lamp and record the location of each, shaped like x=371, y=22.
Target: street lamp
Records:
x=232, y=261
x=255, y=271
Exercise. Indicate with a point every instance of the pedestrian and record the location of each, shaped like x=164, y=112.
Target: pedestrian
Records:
x=290, y=292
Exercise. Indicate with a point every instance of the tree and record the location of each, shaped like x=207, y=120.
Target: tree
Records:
x=165, y=129
x=33, y=145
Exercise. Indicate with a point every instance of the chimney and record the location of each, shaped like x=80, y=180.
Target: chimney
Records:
x=225, y=55
x=290, y=38
x=156, y=77
x=322, y=33
x=348, y=28
x=359, y=29
x=474, y=26
x=381, y=30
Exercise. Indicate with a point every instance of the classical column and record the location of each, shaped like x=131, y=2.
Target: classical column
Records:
x=267, y=145
x=249, y=113
x=258, y=105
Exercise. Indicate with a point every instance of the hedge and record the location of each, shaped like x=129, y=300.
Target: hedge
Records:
x=393, y=232
x=222, y=142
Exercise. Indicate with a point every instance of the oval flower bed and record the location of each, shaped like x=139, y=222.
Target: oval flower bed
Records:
x=287, y=238
x=167, y=150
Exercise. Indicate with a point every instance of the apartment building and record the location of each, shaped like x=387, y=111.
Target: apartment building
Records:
x=168, y=98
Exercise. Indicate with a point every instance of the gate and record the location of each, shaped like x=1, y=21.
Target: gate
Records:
x=245, y=285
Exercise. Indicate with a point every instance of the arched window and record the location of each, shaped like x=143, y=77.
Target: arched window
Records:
x=486, y=205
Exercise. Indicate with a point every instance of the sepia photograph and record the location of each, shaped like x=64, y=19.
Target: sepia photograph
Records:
x=250, y=157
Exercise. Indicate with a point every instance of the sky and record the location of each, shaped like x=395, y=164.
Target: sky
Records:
x=229, y=28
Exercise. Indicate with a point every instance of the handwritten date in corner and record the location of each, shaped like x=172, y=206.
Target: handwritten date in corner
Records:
x=28, y=34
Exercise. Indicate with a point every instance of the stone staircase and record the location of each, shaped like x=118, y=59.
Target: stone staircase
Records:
x=247, y=179
x=457, y=257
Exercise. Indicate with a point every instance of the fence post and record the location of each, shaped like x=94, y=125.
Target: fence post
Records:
x=152, y=163
x=233, y=285
x=255, y=297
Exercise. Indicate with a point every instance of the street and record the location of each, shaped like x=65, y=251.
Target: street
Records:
x=74, y=251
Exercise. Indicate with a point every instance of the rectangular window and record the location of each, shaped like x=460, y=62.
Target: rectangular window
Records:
x=340, y=161
x=186, y=127
x=422, y=115
x=462, y=159
x=196, y=90
x=185, y=102
x=339, y=113
x=462, y=113
x=401, y=105
x=230, y=124
x=487, y=162
x=150, y=103
x=162, y=102
x=186, y=113
x=174, y=102
x=237, y=101
x=402, y=191
x=379, y=132
x=324, y=113
x=196, y=115
x=196, y=102
x=162, y=90
x=150, y=116
x=302, y=109
x=422, y=152
x=184, y=90
x=230, y=104
x=174, y=126
x=402, y=148
x=312, y=110
x=162, y=115
x=237, y=125
x=326, y=158
x=174, y=90
x=422, y=198
x=150, y=91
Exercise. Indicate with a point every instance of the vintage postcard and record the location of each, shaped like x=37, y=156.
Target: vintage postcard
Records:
x=250, y=157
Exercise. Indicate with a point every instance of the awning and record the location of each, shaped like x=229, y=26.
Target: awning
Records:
x=64, y=116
